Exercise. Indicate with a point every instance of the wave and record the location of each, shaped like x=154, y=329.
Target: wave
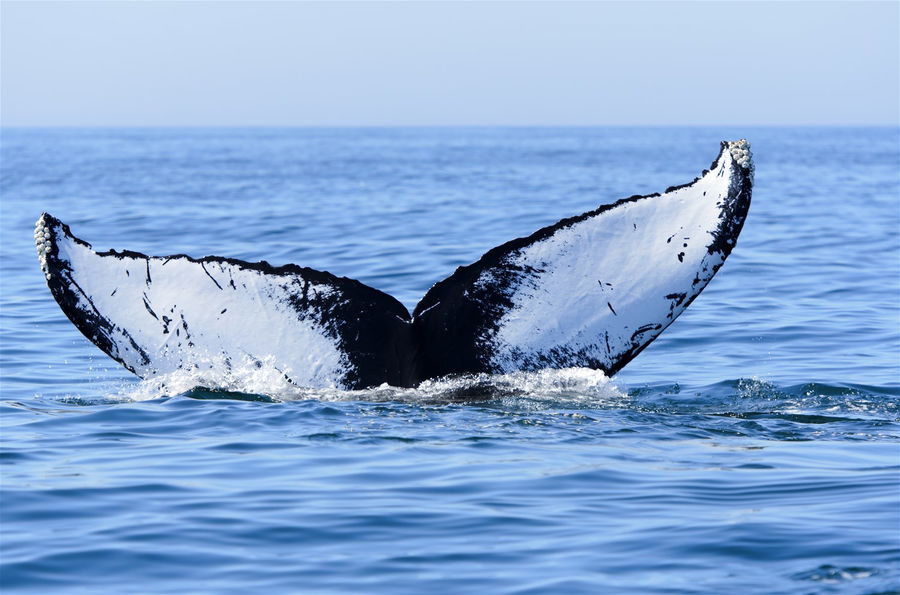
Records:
x=263, y=382
x=571, y=388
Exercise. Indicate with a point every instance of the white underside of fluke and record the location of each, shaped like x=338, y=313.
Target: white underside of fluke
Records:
x=616, y=279
x=176, y=313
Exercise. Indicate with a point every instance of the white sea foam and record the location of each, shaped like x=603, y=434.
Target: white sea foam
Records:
x=567, y=387
x=251, y=377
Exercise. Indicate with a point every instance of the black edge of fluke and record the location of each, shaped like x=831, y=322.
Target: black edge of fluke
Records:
x=444, y=335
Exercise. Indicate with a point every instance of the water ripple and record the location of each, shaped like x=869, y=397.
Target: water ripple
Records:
x=753, y=448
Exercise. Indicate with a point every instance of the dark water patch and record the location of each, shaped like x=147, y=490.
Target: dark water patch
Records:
x=251, y=447
x=202, y=393
x=9, y=457
x=793, y=417
x=830, y=574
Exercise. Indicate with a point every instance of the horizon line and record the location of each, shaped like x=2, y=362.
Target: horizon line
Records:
x=235, y=126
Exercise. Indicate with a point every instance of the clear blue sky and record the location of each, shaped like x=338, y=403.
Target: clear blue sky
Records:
x=378, y=63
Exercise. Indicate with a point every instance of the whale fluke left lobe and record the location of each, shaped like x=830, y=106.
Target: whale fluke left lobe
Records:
x=156, y=315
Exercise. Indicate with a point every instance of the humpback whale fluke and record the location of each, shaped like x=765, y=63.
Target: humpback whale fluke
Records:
x=589, y=291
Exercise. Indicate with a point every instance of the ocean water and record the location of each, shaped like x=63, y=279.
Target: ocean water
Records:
x=753, y=448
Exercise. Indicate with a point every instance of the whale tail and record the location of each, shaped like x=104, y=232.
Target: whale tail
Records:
x=589, y=291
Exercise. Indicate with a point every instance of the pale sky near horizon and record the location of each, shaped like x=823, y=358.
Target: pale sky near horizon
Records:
x=442, y=63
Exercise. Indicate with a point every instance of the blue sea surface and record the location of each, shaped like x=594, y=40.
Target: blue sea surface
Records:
x=753, y=448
